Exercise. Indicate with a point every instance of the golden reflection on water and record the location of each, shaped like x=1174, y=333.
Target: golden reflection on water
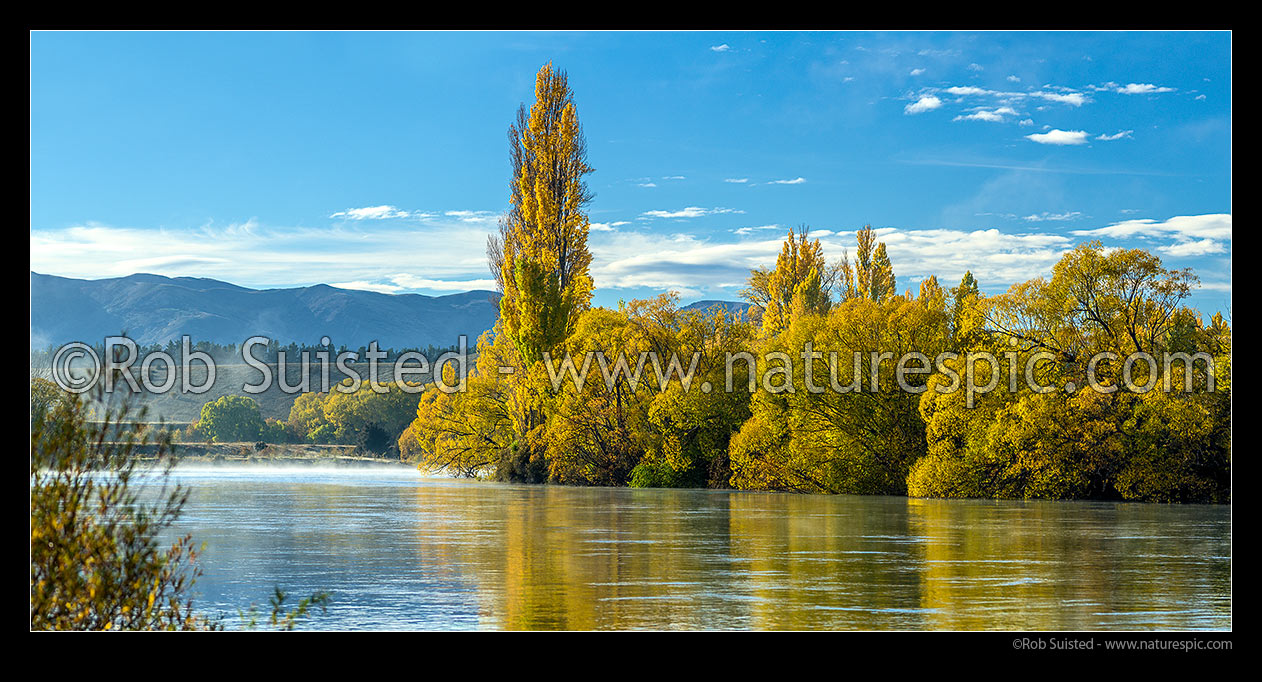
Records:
x=582, y=558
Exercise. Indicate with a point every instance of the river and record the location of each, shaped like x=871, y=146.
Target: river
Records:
x=399, y=550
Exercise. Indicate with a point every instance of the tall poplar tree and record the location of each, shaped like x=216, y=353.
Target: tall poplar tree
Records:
x=540, y=257
x=800, y=284
x=871, y=276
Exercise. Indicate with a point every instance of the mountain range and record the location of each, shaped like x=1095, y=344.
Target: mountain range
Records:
x=157, y=309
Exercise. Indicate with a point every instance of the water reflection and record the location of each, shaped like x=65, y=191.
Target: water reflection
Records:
x=400, y=551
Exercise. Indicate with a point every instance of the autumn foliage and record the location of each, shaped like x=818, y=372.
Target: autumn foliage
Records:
x=513, y=422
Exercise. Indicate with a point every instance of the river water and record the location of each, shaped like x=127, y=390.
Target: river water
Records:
x=399, y=550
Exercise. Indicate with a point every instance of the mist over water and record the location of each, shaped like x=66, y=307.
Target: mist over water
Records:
x=399, y=549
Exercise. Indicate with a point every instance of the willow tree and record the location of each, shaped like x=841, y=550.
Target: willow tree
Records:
x=540, y=258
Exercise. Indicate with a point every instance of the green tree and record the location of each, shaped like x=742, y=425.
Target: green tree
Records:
x=231, y=418
x=96, y=559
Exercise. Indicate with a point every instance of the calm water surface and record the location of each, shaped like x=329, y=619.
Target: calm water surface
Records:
x=399, y=550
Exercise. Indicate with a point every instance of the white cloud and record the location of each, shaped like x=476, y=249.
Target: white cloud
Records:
x=917, y=72
x=476, y=217
x=1063, y=96
x=975, y=67
x=654, y=261
x=1075, y=99
x=438, y=249
x=607, y=227
x=991, y=115
x=926, y=103
x=1142, y=89
x=794, y=181
x=739, y=181
x=412, y=282
x=1059, y=137
x=1200, y=247
x=1013, y=79
x=720, y=48
x=360, y=285
x=757, y=228
x=372, y=213
x=968, y=90
x=403, y=283
x=1045, y=216
x=689, y=212
x=674, y=177
x=1116, y=136
x=1183, y=228
x=647, y=184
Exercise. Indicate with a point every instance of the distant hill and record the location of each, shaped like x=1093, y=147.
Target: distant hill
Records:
x=156, y=309
x=728, y=306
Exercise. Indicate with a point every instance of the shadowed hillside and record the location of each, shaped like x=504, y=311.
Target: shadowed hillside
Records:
x=155, y=309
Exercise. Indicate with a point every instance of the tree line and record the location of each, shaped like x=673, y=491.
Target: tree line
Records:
x=229, y=353
x=511, y=423
x=372, y=421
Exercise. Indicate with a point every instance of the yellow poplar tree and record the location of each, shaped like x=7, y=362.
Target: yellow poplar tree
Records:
x=873, y=275
x=800, y=284
x=540, y=257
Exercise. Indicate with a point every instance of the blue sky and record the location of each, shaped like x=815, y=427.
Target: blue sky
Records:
x=379, y=160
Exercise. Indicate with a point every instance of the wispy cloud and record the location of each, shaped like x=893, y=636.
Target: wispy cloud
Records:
x=756, y=228
x=1115, y=136
x=1211, y=226
x=436, y=249
x=991, y=115
x=383, y=212
x=607, y=227
x=1054, y=217
x=739, y=181
x=1074, y=99
x=720, y=48
x=1200, y=247
x=689, y=212
x=794, y=181
x=475, y=217
x=1059, y=95
x=648, y=260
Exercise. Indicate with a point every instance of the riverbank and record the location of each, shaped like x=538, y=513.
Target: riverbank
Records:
x=249, y=453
